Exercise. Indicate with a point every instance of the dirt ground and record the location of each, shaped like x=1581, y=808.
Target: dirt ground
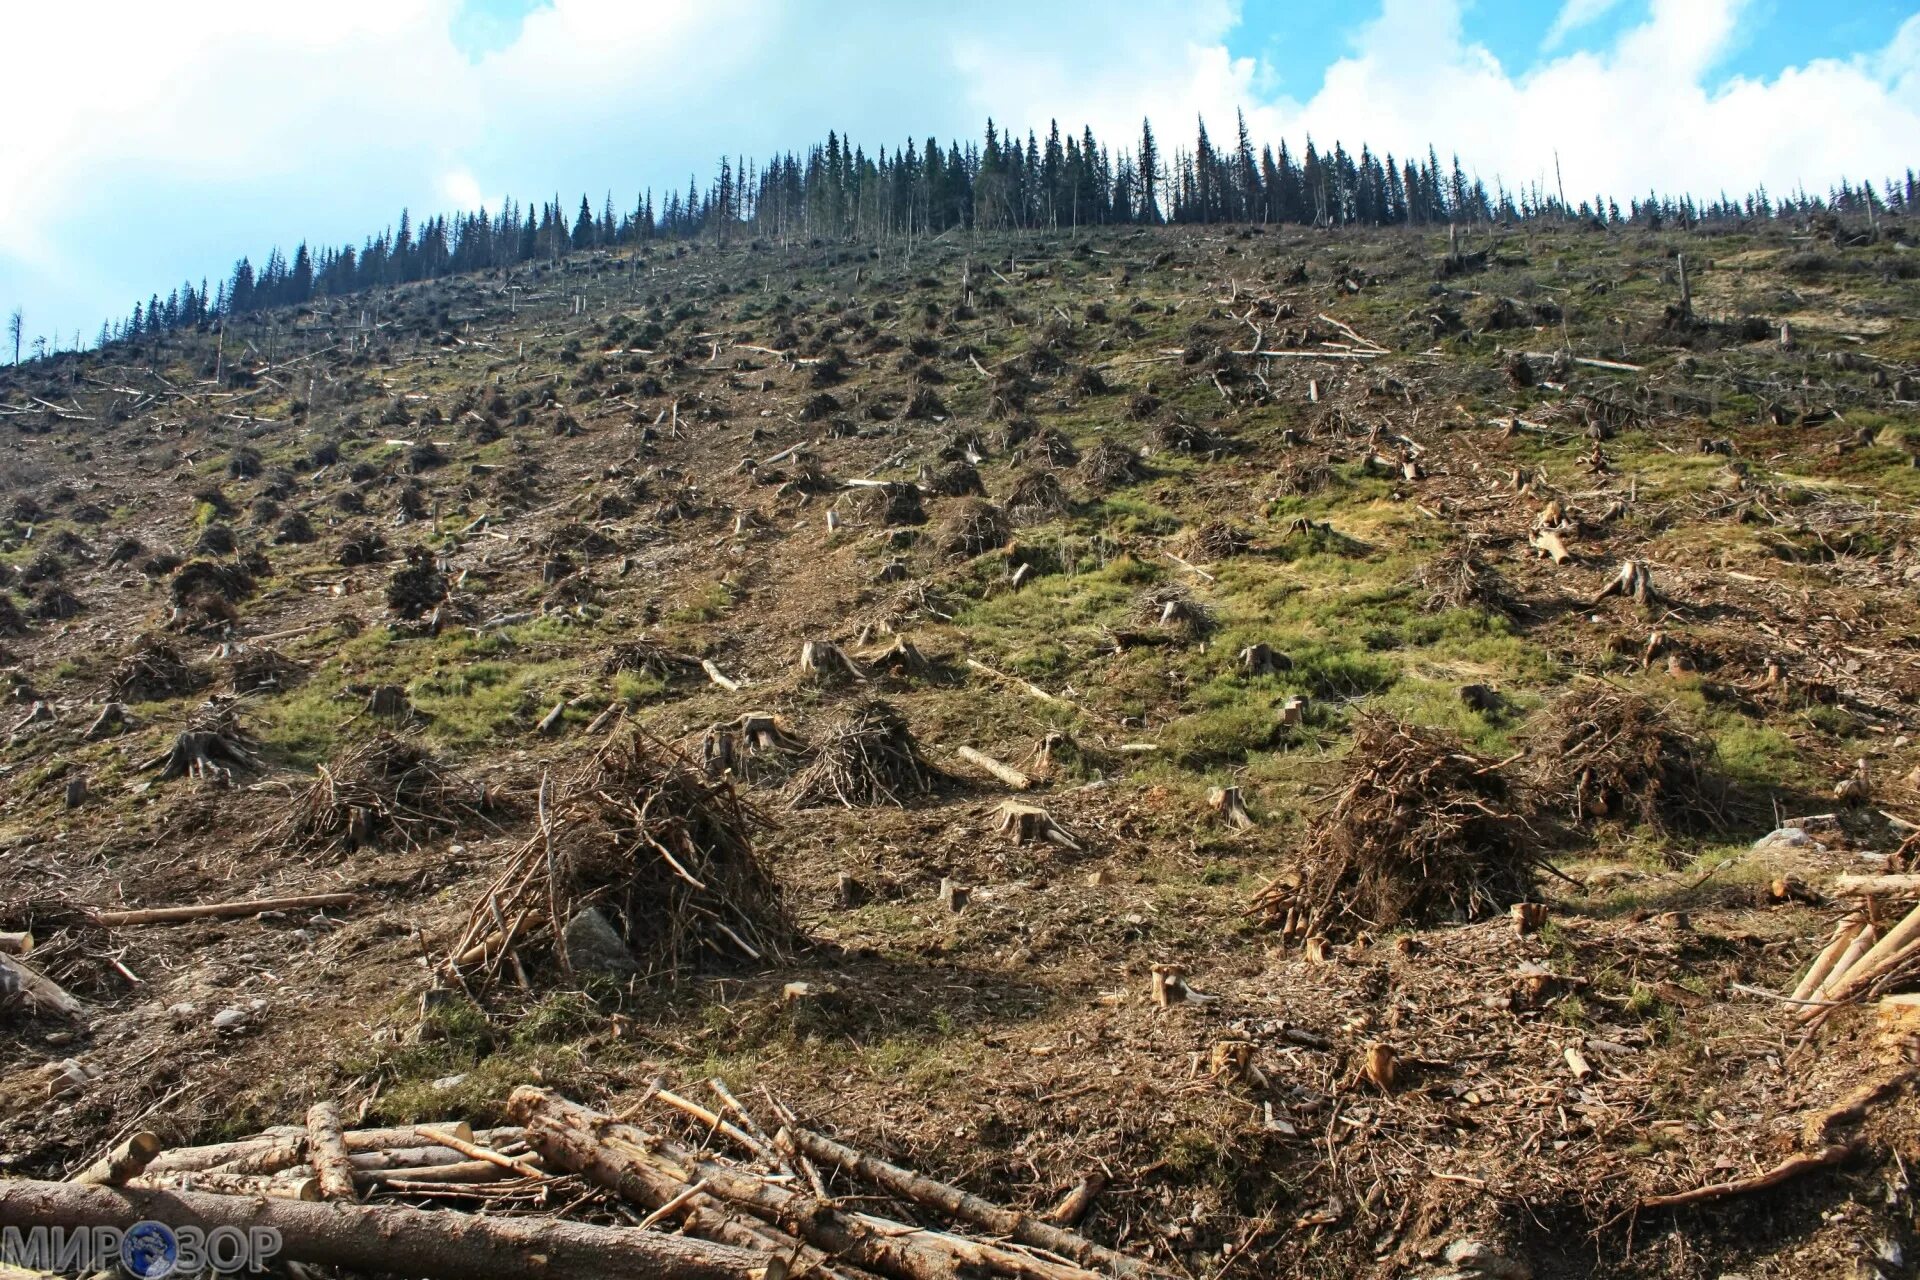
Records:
x=1181, y=452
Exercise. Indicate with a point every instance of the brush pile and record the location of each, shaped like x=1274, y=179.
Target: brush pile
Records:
x=641, y=832
x=1606, y=753
x=868, y=757
x=1038, y=496
x=644, y=657
x=1173, y=608
x=976, y=528
x=1210, y=541
x=884, y=504
x=1460, y=578
x=385, y=793
x=1109, y=466
x=153, y=672
x=1421, y=831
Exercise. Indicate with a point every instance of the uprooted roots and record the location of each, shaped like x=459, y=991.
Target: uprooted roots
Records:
x=386, y=792
x=1606, y=753
x=1421, y=831
x=866, y=758
x=642, y=833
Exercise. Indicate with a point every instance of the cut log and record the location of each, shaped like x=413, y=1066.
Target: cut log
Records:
x=121, y=1163
x=1547, y=544
x=890, y=1248
x=959, y=1204
x=714, y=674
x=389, y=1240
x=1883, y=886
x=299, y=1186
x=1823, y=964
x=327, y=1152
x=20, y=981
x=1079, y=1199
x=1005, y=773
x=1899, y=944
x=221, y=910
x=574, y=1138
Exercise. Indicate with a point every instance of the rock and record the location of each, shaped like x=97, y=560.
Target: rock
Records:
x=1786, y=838
x=595, y=946
x=1477, y=1260
x=445, y=1083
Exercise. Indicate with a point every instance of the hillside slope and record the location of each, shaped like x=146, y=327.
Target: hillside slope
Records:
x=1145, y=515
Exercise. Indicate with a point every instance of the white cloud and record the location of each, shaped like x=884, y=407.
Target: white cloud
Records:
x=1574, y=15
x=164, y=140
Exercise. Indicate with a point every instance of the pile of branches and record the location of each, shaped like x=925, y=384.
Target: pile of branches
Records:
x=385, y=793
x=1173, y=608
x=1038, y=496
x=1460, y=578
x=954, y=480
x=644, y=657
x=200, y=579
x=1212, y=540
x=868, y=757
x=1109, y=466
x=265, y=671
x=1420, y=831
x=976, y=528
x=152, y=673
x=1605, y=753
x=417, y=587
x=886, y=504
x=641, y=832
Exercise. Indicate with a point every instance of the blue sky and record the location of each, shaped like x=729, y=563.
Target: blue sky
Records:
x=169, y=139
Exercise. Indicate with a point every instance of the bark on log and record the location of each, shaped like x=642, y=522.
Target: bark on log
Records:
x=1899, y=943
x=220, y=910
x=1006, y=773
x=327, y=1152
x=893, y=1249
x=1884, y=886
x=388, y=1240
x=606, y=1155
x=121, y=1163
x=220, y=1182
x=17, y=978
x=960, y=1204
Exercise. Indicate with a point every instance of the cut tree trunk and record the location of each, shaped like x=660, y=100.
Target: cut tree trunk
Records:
x=1029, y=825
x=388, y=1240
x=21, y=981
x=1227, y=802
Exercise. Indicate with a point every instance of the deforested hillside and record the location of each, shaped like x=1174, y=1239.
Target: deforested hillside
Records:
x=1294, y=752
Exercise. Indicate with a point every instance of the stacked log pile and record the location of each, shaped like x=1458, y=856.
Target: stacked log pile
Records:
x=343, y=1197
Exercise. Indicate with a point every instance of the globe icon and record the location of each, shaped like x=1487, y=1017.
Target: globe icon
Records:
x=149, y=1250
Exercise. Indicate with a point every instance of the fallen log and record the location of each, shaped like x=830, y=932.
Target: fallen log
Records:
x=121, y=1163
x=606, y=1154
x=890, y=1248
x=220, y=1182
x=1823, y=964
x=960, y=1204
x=327, y=1152
x=1901, y=943
x=389, y=1240
x=19, y=980
x=1006, y=773
x=1882, y=886
x=1787, y=1169
x=220, y=910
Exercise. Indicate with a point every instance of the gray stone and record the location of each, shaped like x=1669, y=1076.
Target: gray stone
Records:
x=1480, y=1260
x=594, y=946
